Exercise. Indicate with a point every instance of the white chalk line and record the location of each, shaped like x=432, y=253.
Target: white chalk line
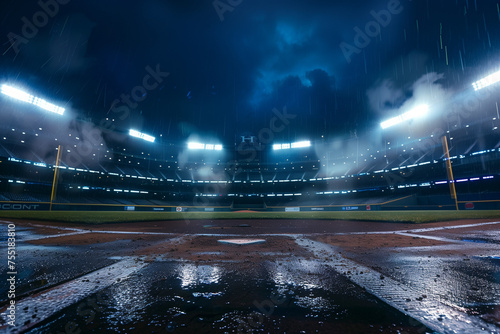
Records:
x=431, y=311
x=35, y=309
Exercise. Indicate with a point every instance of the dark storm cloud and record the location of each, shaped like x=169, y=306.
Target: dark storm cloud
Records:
x=227, y=75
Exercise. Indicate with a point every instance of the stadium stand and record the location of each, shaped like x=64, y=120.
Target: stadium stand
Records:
x=122, y=174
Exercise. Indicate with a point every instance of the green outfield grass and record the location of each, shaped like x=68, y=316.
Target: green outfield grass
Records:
x=96, y=217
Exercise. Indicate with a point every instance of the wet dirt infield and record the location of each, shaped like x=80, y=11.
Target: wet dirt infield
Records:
x=307, y=277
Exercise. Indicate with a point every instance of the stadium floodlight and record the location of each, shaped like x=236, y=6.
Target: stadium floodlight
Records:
x=301, y=144
x=28, y=98
x=137, y=134
x=286, y=146
x=196, y=146
x=48, y=106
x=17, y=94
x=487, y=81
x=419, y=111
x=208, y=147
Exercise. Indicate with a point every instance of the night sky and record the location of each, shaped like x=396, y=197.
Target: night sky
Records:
x=225, y=65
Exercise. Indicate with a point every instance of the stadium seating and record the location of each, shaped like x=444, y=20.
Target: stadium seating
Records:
x=127, y=175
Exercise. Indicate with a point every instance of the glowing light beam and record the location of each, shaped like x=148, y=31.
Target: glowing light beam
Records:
x=137, y=134
x=487, y=81
x=417, y=112
x=201, y=146
x=300, y=144
x=286, y=146
x=28, y=98
x=196, y=146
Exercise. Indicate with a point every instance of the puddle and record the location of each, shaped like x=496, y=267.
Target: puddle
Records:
x=192, y=275
x=207, y=294
x=478, y=241
x=273, y=297
x=209, y=253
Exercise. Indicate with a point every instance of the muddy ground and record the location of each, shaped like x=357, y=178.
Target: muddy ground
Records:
x=455, y=263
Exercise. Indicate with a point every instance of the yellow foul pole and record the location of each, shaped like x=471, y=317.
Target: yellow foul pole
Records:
x=449, y=170
x=56, y=176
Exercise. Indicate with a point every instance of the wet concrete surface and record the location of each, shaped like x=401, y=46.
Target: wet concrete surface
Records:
x=191, y=284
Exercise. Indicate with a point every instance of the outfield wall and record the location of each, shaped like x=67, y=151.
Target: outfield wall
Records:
x=45, y=206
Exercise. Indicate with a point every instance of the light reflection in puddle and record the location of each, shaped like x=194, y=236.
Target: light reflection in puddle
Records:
x=300, y=280
x=198, y=298
x=191, y=274
x=478, y=241
x=302, y=273
x=207, y=294
x=317, y=305
x=127, y=303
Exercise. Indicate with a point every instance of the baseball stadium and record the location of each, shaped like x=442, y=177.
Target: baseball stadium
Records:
x=237, y=167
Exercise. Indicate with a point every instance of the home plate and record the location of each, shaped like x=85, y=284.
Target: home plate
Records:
x=242, y=241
